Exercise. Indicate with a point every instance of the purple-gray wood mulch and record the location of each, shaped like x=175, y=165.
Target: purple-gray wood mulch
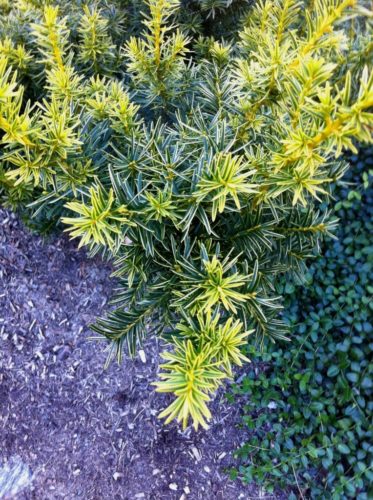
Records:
x=70, y=429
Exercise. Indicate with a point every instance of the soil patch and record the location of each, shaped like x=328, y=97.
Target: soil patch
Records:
x=73, y=429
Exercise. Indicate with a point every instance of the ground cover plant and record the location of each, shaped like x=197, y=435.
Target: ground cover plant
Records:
x=195, y=162
x=309, y=406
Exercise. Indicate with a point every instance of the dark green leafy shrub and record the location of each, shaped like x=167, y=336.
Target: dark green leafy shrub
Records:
x=308, y=406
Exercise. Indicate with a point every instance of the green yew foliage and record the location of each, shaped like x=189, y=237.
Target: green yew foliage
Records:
x=155, y=60
x=197, y=163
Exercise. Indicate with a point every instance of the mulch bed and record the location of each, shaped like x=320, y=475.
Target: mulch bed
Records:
x=72, y=429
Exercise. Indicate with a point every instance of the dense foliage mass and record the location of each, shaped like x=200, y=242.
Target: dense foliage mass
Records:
x=309, y=406
x=196, y=162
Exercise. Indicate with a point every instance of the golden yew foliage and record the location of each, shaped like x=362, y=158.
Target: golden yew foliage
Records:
x=197, y=164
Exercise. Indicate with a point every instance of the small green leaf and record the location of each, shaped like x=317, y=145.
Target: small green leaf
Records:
x=343, y=448
x=333, y=371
